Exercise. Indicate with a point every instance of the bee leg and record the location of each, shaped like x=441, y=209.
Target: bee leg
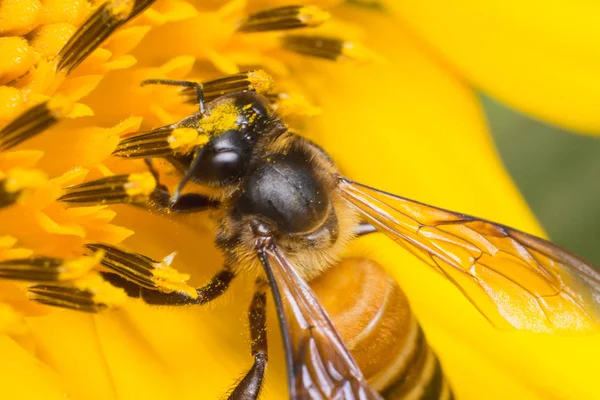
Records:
x=364, y=228
x=153, y=171
x=186, y=84
x=251, y=384
x=218, y=285
x=161, y=199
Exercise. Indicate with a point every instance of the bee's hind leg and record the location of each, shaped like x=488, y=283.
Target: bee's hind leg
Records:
x=218, y=285
x=249, y=387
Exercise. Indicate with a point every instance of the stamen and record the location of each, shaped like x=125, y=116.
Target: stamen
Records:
x=283, y=18
x=47, y=269
x=132, y=188
x=144, y=271
x=89, y=294
x=34, y=120
x=35, y=269
x=256, y=81
x=96, y=29
x=161, y=142
x=323, y=47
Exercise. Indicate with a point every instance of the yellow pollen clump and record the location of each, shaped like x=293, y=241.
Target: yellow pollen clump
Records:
x=222, y=118
x=140, y=184
x=260, y=81
x=122, y=8
x=170, y=280
x=313, y=16
x=185, y=139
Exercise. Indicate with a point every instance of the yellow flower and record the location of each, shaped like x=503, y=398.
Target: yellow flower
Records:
x=390, y=114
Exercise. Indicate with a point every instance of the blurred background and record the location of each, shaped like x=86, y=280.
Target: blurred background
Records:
x=557, y=171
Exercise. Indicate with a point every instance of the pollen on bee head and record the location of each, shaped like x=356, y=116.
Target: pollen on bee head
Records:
x=222, y=117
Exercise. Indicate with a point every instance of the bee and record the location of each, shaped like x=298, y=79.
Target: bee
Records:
x=285, y=213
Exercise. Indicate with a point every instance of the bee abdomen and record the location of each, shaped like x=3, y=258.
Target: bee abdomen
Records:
x=373, y=316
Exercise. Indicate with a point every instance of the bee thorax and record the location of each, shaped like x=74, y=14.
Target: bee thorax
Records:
x=284, y=192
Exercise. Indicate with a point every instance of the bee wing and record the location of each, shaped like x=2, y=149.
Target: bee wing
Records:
x=319, y=364
x=514, y=279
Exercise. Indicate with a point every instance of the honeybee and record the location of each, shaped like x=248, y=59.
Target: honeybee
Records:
x=285, y=213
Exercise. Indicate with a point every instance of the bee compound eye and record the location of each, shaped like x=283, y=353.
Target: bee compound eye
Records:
x=226, y=164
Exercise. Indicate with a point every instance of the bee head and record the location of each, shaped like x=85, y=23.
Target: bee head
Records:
x=232, y=123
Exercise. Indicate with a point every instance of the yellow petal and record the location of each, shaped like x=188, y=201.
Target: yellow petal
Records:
x=537, y=56
x=22, y=370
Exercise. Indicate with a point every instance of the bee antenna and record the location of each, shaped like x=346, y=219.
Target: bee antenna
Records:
x=195, y=85
x=189, y=174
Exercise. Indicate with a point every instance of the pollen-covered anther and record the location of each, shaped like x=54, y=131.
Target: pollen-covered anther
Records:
x=90, y=293
x=144, y=271
x=325, y=47
x=34, y=121
x=256, y=81
x=96, y=29
x=132, y=188
x=183, y=140
x=47, y=269
x=283, y=18
x=160, y=142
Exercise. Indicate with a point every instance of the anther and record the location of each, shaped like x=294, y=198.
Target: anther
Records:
x=255, y=81
x=33, y=121
x=144, y=271
x=89, y=294
x=160, y=142
x=132, y=188
x=323, y=47
x=46, y=269
x=283, y=18
x=96, y=29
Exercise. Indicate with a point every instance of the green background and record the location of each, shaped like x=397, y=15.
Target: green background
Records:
x=558, y=172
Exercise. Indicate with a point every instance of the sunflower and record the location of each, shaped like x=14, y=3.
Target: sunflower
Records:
x=389, y=99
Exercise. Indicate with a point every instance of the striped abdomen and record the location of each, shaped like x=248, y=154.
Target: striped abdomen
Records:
x=374, y=318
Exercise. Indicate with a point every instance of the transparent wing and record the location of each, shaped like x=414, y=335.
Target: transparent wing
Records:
x=319, y=364
x=514, y=279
